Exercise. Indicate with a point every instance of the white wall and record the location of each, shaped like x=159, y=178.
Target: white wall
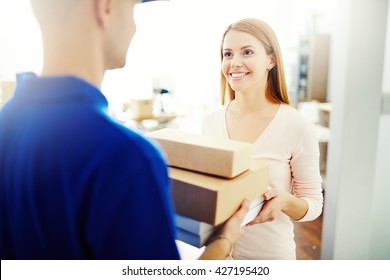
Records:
x=185, y=53
x=380, y=239
x=176, y=45
x=357, y=210
x=20, y=45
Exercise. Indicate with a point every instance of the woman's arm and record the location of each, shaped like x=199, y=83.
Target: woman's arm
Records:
x=285, y=202
x=306, y=202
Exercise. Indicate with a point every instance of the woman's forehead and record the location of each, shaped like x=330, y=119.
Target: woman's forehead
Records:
x=238, y=39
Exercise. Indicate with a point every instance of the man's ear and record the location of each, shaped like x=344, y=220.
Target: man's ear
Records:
x=102, y=10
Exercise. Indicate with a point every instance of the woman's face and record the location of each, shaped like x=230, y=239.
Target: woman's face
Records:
x=244, y=62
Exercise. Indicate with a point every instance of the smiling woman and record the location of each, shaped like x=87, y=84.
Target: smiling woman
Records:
x=256, y=110
x=167, y=32
x=261, y=53
x=250, y=62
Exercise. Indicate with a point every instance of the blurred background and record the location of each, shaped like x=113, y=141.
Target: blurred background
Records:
x=337, y=64
x=176, y=48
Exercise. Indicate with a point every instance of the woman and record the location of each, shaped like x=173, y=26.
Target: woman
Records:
x=256, y=110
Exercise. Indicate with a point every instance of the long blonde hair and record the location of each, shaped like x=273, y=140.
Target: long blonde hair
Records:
x=276, y=89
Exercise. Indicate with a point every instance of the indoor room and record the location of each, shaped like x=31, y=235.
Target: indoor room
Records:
x=336, y=58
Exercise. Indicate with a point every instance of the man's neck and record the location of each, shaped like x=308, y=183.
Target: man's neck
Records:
x=93, y=77
x=77, y=58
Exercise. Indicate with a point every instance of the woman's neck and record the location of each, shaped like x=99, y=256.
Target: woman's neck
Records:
x=253, y=102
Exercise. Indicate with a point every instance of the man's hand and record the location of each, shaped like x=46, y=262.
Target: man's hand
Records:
x=222, y=243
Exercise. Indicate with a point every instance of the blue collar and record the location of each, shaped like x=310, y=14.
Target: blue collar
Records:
x=58, y=89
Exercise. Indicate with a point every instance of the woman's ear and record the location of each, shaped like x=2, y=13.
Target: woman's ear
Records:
x=102, y=10
x=272, y=62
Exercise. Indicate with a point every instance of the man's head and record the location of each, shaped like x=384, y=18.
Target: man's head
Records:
x=92, y=33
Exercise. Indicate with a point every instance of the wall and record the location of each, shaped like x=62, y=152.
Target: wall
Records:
x=20, y=47
x=356, y=208
x=380, y=239
x=176, y=44
x=183, y=48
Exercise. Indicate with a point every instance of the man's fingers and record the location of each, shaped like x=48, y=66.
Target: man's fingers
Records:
x=244, y=208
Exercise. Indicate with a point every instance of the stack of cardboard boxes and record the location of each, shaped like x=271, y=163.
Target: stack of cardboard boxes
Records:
x=210, y=178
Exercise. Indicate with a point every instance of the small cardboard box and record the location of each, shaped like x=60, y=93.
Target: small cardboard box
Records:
x=6, y=91
x=203, y=153
x=212, y=199
x=141, y=108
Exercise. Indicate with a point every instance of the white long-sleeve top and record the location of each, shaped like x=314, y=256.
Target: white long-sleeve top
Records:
x=290, y=145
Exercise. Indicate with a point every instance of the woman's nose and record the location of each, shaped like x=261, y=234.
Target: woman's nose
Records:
x=236, y=61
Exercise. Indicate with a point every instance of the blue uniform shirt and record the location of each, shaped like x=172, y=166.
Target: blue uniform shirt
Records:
x=75, y=184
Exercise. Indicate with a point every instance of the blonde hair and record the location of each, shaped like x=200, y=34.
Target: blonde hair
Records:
x=276, y=89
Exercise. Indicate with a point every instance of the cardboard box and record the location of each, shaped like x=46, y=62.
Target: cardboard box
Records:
x=212, y=199
x=191, y=225
x=6, y=91
x=193, y=232
x=197, y=233
x=141, y=108
x=203, y=153
x=197, y=240
x=198, y=227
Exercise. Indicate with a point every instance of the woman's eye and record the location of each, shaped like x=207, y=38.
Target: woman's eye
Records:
x=248, y=52
x=227, y=54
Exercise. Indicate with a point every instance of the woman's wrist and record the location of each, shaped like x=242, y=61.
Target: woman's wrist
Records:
x=296, y=207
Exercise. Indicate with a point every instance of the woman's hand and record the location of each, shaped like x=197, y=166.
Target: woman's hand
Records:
x=275, y=202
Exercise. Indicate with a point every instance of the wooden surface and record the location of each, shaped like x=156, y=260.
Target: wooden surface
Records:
x=161, y=117
x=308, y=239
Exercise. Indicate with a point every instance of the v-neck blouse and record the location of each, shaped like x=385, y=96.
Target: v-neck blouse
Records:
x=290, y=145
x=263, y=133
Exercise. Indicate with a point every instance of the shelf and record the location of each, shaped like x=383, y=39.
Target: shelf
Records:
x=160, y=117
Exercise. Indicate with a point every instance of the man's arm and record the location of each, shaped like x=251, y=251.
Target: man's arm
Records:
x=222, y=244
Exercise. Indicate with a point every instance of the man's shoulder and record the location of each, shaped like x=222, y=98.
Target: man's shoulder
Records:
x=130, y=141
